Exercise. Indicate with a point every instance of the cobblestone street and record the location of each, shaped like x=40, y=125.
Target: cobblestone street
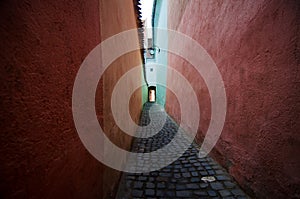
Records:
x=183, y=178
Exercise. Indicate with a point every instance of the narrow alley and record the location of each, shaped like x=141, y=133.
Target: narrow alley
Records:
x=127, y=99
x=182, y=178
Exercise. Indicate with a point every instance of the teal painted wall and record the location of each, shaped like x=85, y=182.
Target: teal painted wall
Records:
x=161, y=41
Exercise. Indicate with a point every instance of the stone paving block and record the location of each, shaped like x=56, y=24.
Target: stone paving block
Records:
x=165, y=174
x=151, y=179
x=142, y=178
x=177, y=166
x=183, y=194
x=219, y=171
x=161, y=185
x=201, y=193
x=160, y=193
x=180, y=187
x=177, y=175
x=175, y=180
x=192, y=169
x=225, y=193
x=195, y=179
x=187, y=165
x=137, y=193
x=194, y=174
x=216, y=185
x=171, y=186
x=202, y=160
x=162, y=179
x=216, y=167
x=149, y=192
x=138, y=184
x=183, y=170
x=128, y=177
x=211, y=193
x=203, y=185
x=186, y=175
x=238, y=192
x=200, y=168
x=210, y=172
x=167, y=170
x=170, y=193
x=223, y=177
x=203, y=173
x=193, y=186
x=229, y=184
x=150, y=185
x=154, y=173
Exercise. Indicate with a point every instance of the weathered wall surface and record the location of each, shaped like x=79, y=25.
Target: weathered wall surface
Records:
x=118, y=16
x=42, y=46
x=255, y=45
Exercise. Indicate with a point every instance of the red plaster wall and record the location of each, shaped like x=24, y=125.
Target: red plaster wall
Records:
x=42, y=46
x=117, y=16
x=255, y=45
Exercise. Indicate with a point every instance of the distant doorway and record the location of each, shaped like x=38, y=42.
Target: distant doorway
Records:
x=151, y=93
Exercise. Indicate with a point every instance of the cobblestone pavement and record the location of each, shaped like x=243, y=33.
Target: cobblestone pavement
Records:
x=180, y=179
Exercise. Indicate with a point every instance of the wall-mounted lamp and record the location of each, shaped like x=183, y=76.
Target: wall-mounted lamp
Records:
x=153, y=50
